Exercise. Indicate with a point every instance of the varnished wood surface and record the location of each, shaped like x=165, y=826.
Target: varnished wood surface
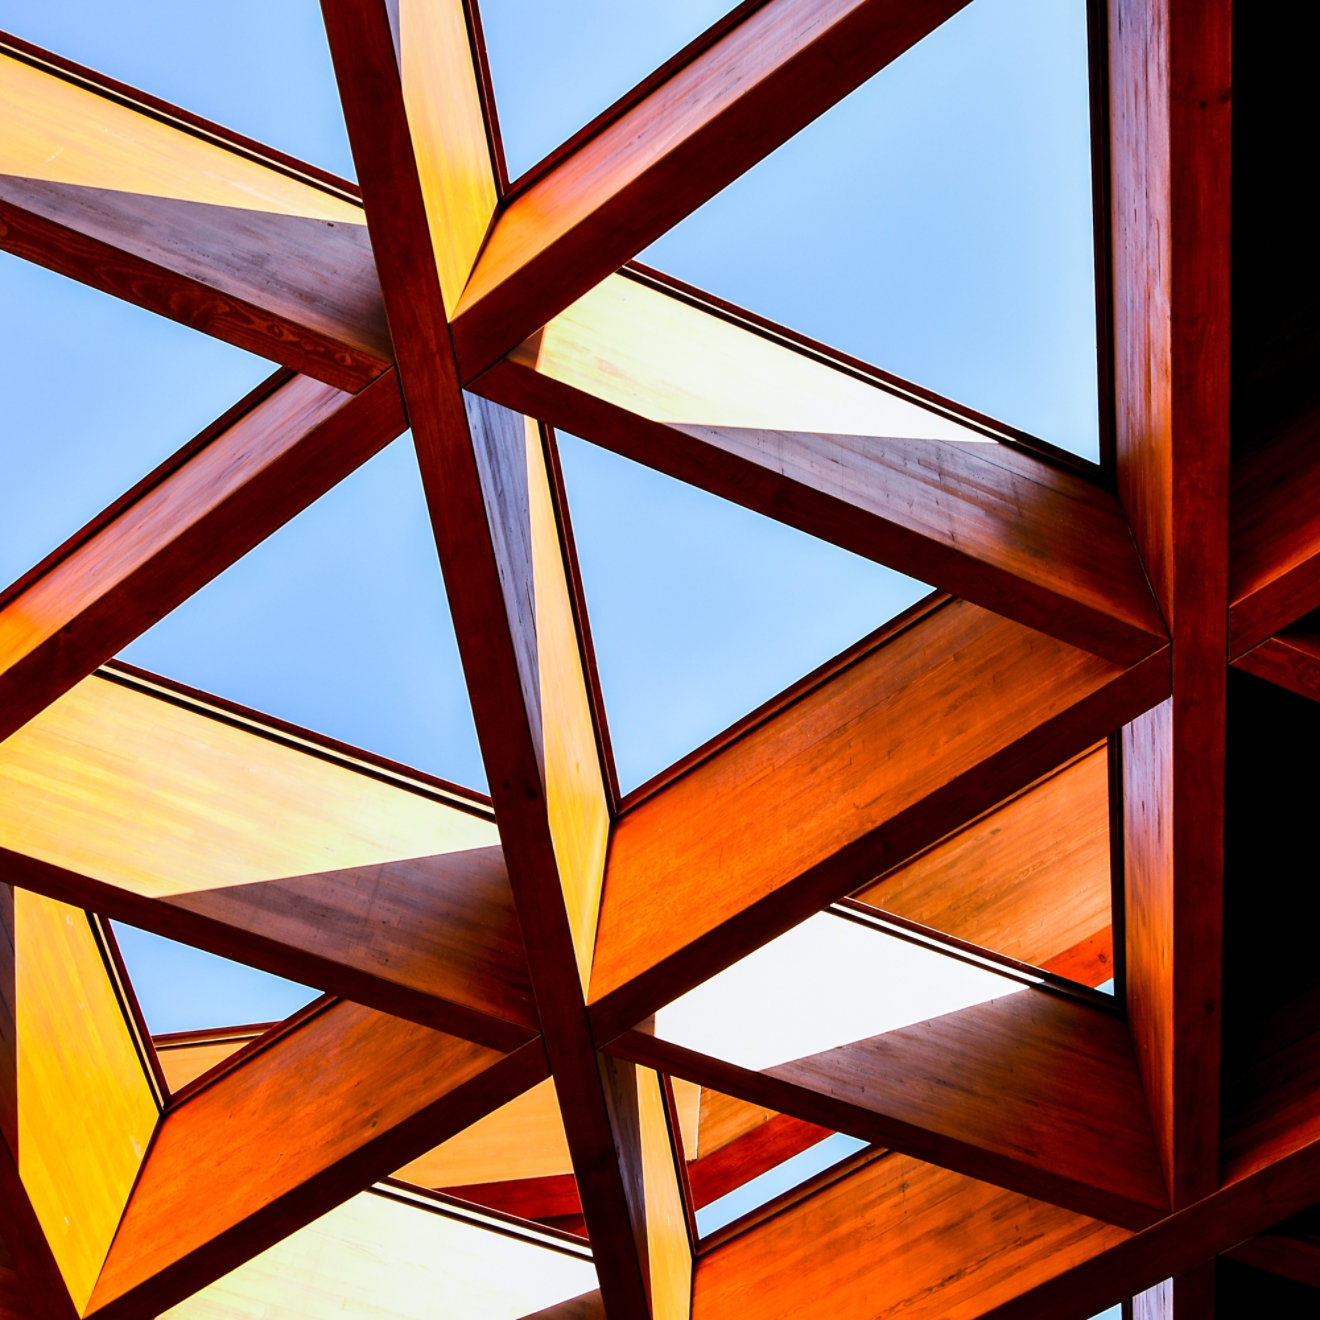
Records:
x=881, y=1243
x=116, y=197
x=1170, y=116
x=184, y=1060
x=810, y=442
x=1030, y=1091
x=1029, y=879
x=881, y=760
x=1291, y=659
x=713, y=118
x=198, y=829
x=80, y=1112
x=344, y=1098
x=182, y=531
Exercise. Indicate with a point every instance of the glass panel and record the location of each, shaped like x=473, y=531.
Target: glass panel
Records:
x=936, y=223
x=394, y=1260
x=184, y=989
x=555, y=66
x=261, y=69
x=1030, y=879
x=774, y=1182
x=338, y=623
x=701, y=610
x=96, y=393
x=825, y=983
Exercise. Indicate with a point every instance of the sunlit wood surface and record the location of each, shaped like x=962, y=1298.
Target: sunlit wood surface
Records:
x=1084, y=760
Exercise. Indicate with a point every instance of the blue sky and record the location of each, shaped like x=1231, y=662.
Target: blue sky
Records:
x=936, y=223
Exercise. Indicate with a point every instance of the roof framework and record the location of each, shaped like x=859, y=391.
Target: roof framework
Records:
x=1041, y=1154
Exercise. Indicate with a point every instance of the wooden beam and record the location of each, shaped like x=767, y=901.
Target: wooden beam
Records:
x=1170, y=75
x=1031, y=1091
x=1011, y=882
x=904, y=739
x=1275, y=560
x=1190, y=1296
x=1290, y=1249
x=497, y=531
x=735, y=1164
x=167, y=815
x=1290, y=658
x=840, y=451
x=337, y=1101
x=140, y=201
x=241, y=480
x=77, y=1104
x=712, y=118
x=13, y=1295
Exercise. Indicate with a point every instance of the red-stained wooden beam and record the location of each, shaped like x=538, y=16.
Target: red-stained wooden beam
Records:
x=1031, y=1091
x=286, y=445
x=153, y=205
x=750, y=1155
x=903, y=739
x=841, y=452
x=1290, y=658
x=1274, y=563
x=1170, y=116
x=428, y=186
x=732, y=103
x=342, y=1098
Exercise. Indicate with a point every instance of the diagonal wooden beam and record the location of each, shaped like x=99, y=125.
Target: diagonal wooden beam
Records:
x=1291, y=1249
x=284, y=446
x=148, y=203
x=176, y=816
x=1170, y=77
x=870, y=761
x=1274, y=563
x=1030, y=1091
x=832, y=447
x=730, y=104
x=497, y=531
x=342, y=1098
x=1290, y=658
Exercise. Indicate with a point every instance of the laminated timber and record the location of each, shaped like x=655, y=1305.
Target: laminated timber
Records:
x=1057, y=769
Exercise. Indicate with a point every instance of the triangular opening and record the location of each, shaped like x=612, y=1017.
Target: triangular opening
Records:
x=556, y=66
x=337, y=623
x=183, y=989
x=260, y=69
x=701, y=610
x=937, y=222
x=97, y=393
x=1029, y=880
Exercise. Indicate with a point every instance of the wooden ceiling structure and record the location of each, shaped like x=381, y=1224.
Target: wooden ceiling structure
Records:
x=1109, y=684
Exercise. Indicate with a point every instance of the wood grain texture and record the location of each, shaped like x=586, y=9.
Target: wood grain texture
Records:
x=1274, y=565
x=119, y=198
x=185, y=1060
x=183, y=530
x=1029, y=879
x=1170, y=81
x=343, y=1098
x=737, y=1162
x=1190, y=1296
x=854, y=461
x=895, y=1238
x=1291, y=659
x=735, y=102
x=79, y=1110
x=199, y=830
x=918, y=735
x=1030, y=1091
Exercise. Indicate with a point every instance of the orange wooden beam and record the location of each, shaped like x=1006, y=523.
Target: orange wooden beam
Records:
x=151, y=204
x=284, y=446
x=728, y=105
x=871, y=761
x=840, y=451
x=1031, y=1091
x=1170, y=117
x=342, y=1098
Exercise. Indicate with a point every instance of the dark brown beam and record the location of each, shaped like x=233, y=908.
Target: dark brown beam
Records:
x=109, y=189
x=841, y=452
x=1292, y=1249
x=497, y=531
x=711, y=119
x=1170, y=76
x=197, y=514
x=1290, y=658
x=342, y=1098
x=905, y=739
x=1031, y=1091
